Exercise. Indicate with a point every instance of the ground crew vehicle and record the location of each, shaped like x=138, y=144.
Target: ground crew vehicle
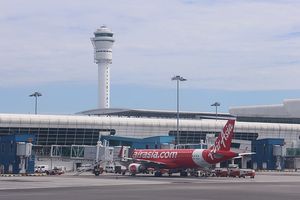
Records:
x=41, y=169
x=247, y=172
x=119, y=169
x=98, y=169
x=221, y=172
x=55, y=171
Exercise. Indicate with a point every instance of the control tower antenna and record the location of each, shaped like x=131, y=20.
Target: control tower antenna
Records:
x=103, y=42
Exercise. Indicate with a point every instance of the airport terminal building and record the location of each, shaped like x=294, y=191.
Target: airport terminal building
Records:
x=86, y=128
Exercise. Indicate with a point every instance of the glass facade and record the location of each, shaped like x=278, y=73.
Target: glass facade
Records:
x=194, y=137
x=85, y=130
x=60, y=136
x=269, y=120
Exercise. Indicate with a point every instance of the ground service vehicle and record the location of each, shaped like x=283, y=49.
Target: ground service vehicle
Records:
x=98, y=169
x=221, y=172
x=109, y=169
x=233, y=172
x=85, y=167
x=247, y=172
x=119, y=169
x=41, y=169
x=55, y=171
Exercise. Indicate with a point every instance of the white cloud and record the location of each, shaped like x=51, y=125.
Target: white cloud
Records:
x=239, y=45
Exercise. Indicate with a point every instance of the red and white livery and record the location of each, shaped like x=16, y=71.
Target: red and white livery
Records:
x=178, y=160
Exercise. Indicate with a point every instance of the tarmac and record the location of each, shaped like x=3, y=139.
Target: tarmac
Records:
x=265, y=185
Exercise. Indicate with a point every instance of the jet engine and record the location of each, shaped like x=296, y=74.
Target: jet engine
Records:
x=135, y=168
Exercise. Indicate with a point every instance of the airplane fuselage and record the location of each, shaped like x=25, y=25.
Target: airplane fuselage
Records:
x=182, y=158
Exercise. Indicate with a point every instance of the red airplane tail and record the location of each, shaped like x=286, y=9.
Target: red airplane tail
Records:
x=221, y=149
x=223, y=142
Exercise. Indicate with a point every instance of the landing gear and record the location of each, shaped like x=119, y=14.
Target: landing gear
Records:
x=194, y=173
x=157, y=174
x=183, y=173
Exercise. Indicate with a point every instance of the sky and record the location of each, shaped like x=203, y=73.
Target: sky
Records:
x=236, y=52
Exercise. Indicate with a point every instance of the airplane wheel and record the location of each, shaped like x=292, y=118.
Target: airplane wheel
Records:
x=157, y=174
x=183, y=174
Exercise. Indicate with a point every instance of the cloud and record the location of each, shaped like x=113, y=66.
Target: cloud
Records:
x=234, y=45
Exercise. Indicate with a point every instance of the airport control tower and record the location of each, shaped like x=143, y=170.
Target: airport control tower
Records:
x=103, y=42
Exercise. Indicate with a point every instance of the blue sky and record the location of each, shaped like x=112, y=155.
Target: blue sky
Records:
x=234, y=52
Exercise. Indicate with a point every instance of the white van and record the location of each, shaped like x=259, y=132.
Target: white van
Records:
x=109, y=169
x=41, y=169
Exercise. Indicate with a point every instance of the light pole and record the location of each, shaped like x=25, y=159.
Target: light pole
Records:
x=36, y=95
x=178, y=79
x=216, y=104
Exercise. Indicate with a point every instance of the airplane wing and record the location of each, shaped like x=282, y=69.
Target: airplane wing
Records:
x=244, y=154
x=148, y=163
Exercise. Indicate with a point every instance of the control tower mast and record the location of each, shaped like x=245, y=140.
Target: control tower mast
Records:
x=103, y=42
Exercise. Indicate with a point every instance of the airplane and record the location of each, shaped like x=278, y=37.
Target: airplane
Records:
x=179, y=160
